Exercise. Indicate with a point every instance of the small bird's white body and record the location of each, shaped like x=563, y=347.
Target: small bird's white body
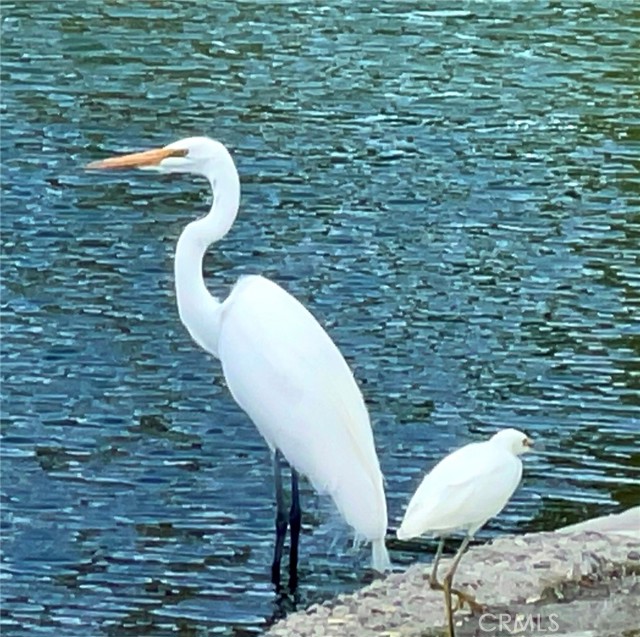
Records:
x=466, y=488
x=462, y=492
x=286, y=373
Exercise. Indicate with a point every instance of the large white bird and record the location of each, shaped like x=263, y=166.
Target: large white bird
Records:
x=464, y=490
x=280, y=365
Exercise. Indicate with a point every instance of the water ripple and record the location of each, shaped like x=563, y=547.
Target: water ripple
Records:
x=452, y=190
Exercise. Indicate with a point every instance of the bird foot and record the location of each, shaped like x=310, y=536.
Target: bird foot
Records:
x=462, y=598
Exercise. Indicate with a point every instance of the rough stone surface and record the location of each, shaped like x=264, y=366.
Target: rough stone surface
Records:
x=586, y=577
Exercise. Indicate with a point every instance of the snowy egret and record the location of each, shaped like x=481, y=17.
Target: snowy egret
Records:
x=280, y=365
x=464, y=490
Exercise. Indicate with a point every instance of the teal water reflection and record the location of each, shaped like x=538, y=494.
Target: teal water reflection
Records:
x=453, y=189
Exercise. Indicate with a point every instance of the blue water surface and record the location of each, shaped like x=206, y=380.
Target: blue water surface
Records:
x=452, y=188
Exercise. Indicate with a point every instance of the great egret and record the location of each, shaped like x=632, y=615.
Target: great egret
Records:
x=280, y=365
x=463, y=491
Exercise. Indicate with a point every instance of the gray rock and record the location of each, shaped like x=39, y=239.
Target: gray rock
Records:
x=526, y=575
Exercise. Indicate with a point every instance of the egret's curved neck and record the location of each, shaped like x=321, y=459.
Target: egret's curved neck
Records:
x=199, y=310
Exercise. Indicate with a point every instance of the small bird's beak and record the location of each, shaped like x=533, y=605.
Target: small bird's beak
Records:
x=137, y=160
x=529, y=443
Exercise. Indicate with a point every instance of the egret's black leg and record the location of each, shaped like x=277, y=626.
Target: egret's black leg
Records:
x=295, y=518
x=281, y=522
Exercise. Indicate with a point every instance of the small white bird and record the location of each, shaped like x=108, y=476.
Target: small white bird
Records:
x=464, y=490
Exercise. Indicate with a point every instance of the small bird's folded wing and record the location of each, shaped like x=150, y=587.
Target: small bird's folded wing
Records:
x=462, y=491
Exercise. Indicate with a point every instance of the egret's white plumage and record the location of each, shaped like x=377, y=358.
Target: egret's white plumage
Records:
x=468, y=487
x=281, y=366
x=316, y=416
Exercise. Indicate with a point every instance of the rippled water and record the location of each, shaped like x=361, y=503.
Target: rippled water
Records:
x=454, y=191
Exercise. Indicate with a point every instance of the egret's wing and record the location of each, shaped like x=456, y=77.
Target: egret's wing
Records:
x=463, y=491
x=290, y=378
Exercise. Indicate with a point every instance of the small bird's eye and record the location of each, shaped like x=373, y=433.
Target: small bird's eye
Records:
x=525, y=442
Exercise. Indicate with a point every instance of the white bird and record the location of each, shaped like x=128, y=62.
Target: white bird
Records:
x=464, y=490
x=280, y=365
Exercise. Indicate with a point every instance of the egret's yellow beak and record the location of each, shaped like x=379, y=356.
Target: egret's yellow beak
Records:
x=138, y=160
x=528, y=442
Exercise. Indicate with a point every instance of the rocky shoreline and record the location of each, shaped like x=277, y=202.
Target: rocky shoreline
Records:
x=579, y=581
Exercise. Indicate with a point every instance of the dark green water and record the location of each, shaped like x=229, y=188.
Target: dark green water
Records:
x=453, y=188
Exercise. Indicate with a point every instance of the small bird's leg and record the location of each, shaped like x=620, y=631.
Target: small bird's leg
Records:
x=295, y=519
x=448, y=612
x=281, y=522
x=433, y=579
x=462, y=597
x=446, y=586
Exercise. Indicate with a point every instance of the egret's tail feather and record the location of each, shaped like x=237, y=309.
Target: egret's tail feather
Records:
x=379, y=556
